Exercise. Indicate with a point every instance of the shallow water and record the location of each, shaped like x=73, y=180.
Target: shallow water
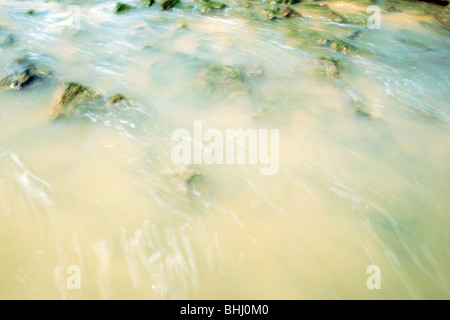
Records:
x=100, y=191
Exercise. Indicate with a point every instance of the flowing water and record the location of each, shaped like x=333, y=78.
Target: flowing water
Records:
x=99, y=190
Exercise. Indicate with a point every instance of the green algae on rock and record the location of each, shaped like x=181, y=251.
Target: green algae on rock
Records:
x=331, y=67
x=275, y=11
x=341, y=46
x=122, y=8
x=118, y=97
x=209, y=6
x=168, y=4
x=222, y=75
x=71, y=97
x=25, y=76
x=444, y=16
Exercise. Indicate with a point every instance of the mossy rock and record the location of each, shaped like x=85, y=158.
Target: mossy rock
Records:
x=26, y=75
x=209, y=6
x=272, y=11
x=118, y=97
x=73, y=98
x=30, y=12
x=330, y=67
x=222, y=76
x=168, y=4
x=275, y=11
x=288, y=12
x=342, y=46
x=444, y=16
x=122, y=8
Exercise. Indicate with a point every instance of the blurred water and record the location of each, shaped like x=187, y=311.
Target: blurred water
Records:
x=102, y=193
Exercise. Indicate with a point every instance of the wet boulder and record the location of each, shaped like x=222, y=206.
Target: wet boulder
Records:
x=276, y=11
x=74, y=99
x=330, y=67
x=209, y=6
x=168, y=4
x=26, y=73
x=444, y=16
x=341, y=46
x=122, y=8
x=117, y=98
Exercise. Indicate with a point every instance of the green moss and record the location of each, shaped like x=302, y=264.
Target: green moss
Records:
x=168, y=4
x=24, y=77
x=122, y=8
x=73, y=95
x=330, y=67
x=30, y=12
x=275, y=11
x=444, y=16
x=118, y=97
x=209, y=6
x=222, y=75
x=342, y=46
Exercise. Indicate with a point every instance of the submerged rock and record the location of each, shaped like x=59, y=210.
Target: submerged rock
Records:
x=325, y=12
x=222, y=75
x=254, y=70
x=26, y=74
x=7, y=39
x=330, y=67
x=118, y=97
x=444, y=16
x=341, y=46
x=360, y=109
x=71, y=97
x=122, y=8
x=168, y=4
x=275, y=11
x=199, y=188
x=209, y=6
x=288, y=12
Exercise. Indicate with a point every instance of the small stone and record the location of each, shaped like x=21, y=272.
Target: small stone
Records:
x=118, y=97
x=330, y=67
x=360, y=109
x=254, y=70
x=122, y=8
